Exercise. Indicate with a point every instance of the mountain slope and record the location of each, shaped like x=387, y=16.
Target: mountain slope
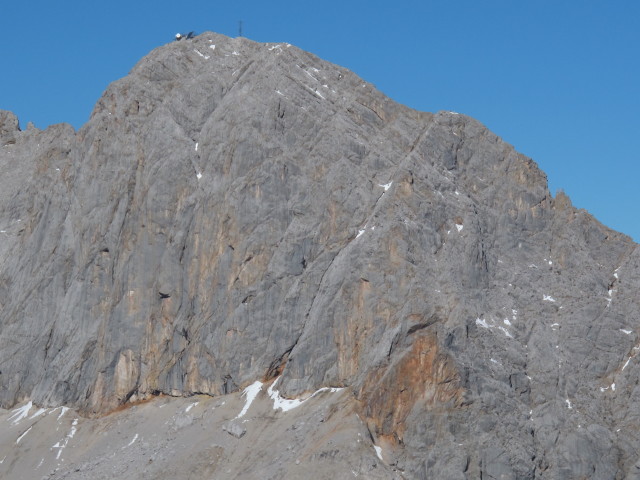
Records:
x=236, y=211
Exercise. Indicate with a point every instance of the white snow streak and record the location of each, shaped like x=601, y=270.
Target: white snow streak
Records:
x=505, y=331
x=69, y=436
x=38, y=413
x=386, y=186
x=20, y=413
x=64, y=410
x=548, y=298
x=190, y=406
x=627, y=332
x=21, y=436
x=625, y=365
x=613, y=387
x=132, y=441
x=206, y=57
x=286, y=404
x=212, y=47
x=250, y=393
x=360, y=232
x=196, y=146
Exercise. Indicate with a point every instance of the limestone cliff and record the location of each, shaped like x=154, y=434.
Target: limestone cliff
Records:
x=236, y=211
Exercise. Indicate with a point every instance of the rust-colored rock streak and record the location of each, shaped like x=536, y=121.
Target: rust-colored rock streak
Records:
x=423, y=375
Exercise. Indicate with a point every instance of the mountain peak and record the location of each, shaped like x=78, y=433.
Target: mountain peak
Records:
x=235, y=212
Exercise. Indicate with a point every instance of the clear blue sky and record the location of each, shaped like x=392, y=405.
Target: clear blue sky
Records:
x=558, y=79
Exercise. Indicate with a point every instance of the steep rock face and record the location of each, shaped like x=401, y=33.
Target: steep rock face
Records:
x=237, y=211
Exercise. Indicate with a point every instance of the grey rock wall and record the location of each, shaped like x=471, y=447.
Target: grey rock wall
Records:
x=236, y=211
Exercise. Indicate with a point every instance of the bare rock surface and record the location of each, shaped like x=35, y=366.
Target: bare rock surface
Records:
x=235, y=212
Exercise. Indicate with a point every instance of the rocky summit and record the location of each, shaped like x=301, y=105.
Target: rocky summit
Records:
x=344, y=286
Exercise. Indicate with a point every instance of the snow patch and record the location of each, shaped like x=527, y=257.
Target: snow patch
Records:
x=548, y=298
x=360, y=232
x=196, y=146
x=569, y=404
x=625, y=365
x=190, y=406
x=198, y=175
x=279, y=402
x=386, y=186
x=250, y=393
x=627, y=332
x=20, y=413
x=613, y=387
x=482, y=323
x=507, y=322
x=286, y=404
x=459, y=227
x=378, y=451
x=212, y=47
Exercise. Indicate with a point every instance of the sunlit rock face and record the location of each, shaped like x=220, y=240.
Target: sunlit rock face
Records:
x=235, y=212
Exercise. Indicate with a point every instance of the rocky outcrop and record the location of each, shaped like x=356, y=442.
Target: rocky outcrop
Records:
x=236, y=211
